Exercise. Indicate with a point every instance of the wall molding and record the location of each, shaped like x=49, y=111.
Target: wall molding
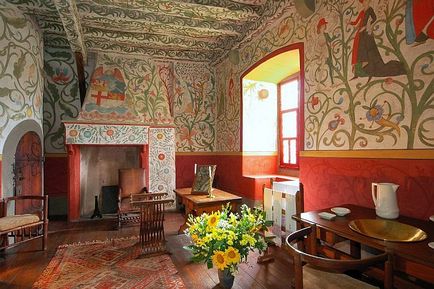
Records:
x=263, y=154
x=372, y=154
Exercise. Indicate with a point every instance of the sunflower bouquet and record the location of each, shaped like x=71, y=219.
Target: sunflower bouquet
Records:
x=224, y=239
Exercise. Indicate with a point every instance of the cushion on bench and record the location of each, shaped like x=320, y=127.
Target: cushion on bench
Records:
x=10, y=222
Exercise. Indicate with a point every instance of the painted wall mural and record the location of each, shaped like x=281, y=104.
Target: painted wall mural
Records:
x=21, y=66
x=228, y=106
x=194, y=106
x=61, y=99
x=369, y=74
x=162, y=175
x=127, y=90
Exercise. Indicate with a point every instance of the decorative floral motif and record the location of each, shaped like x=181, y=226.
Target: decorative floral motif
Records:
x=106, y=134
x=329, y=84
x=21, y=64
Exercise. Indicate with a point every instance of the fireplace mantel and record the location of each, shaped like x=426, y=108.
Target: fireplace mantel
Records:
x=156, y=154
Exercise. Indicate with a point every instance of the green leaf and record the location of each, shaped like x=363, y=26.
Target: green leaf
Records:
x=19, y=66
x=17, y=22
x=4, y=91
x=209, y=263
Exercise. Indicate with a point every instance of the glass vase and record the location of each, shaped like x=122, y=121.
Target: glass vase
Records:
x=226, y=278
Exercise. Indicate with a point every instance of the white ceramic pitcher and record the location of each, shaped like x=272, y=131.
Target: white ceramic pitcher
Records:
x=384, y=196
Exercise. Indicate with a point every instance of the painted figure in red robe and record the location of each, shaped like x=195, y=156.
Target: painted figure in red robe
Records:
x=366, y=58
x=419, y=21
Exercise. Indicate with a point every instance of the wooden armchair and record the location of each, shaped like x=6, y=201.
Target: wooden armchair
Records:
x=24, y=227
x=151, y=206
x=132, y=185
x=301, y=258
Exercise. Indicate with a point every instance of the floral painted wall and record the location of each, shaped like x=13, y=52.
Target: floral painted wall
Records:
x=368, y=74
x=61, y=99
x=21, y=66
x=194, y=107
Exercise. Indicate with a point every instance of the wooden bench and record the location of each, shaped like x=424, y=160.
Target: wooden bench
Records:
x=24, y=227
x=279, y=207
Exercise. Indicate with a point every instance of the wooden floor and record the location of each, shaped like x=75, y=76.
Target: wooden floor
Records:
x=20, y=267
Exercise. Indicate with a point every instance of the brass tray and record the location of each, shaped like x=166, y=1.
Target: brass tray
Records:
x=387, y=230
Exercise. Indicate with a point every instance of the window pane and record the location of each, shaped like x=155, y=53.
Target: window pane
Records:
x=289, y=124
x=285, y=151
x=293, y=151
x=289, y=95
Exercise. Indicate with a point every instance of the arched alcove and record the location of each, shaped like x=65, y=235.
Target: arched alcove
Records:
x=9, y=150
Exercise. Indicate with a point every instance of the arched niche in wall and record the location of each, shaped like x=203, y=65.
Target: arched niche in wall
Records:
x=9, y=150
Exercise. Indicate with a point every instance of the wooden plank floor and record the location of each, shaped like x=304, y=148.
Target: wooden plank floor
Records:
x=21, y=266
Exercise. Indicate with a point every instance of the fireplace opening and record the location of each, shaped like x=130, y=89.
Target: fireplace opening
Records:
x=100, y=168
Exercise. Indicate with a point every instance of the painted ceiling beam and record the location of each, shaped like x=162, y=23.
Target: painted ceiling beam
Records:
x=250, y=2
x=153, y=39
x=233, y=5
x=95, y=45
x=34, y=5
x=153, y=44
x=71, y=23
x=140, y=26
x=181, y=9
x=86, y=6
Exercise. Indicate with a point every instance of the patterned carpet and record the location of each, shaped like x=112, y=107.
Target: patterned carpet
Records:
x=108, y=264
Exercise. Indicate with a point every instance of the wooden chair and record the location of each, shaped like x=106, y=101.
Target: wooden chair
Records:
x=151, y=206
x=281, y=215
x=132, y=184
x=24, y=227
x=301, y=258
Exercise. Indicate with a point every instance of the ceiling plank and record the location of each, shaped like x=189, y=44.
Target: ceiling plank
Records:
x=71, y=23
x=183, y=9
x=95, y=45
x=154, y=39
x=86, y=6
x=140, y=26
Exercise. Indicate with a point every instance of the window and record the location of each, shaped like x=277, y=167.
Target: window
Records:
x=289, y=114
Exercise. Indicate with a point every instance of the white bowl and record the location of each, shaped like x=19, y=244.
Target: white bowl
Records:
x=432, y=218
x=340, y=211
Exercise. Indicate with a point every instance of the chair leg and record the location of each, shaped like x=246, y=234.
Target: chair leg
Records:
x=45, y=237
x=266, y=256
x=388, y=273
x=298, y=272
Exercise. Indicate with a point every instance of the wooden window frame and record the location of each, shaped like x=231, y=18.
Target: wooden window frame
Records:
x=280, y=112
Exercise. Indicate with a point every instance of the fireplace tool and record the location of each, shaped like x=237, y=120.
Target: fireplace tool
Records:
x=96, y=211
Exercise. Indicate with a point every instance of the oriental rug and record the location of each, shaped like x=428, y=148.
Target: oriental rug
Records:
x=108, y=264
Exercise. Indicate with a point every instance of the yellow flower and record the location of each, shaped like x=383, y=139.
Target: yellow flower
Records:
x=194, y=237
x=232, y=255
x=219, y=259
x=213, y=220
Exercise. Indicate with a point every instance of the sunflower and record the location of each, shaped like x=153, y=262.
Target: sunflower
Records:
x=213, y=220
x=232, y=255
x=219, y=259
